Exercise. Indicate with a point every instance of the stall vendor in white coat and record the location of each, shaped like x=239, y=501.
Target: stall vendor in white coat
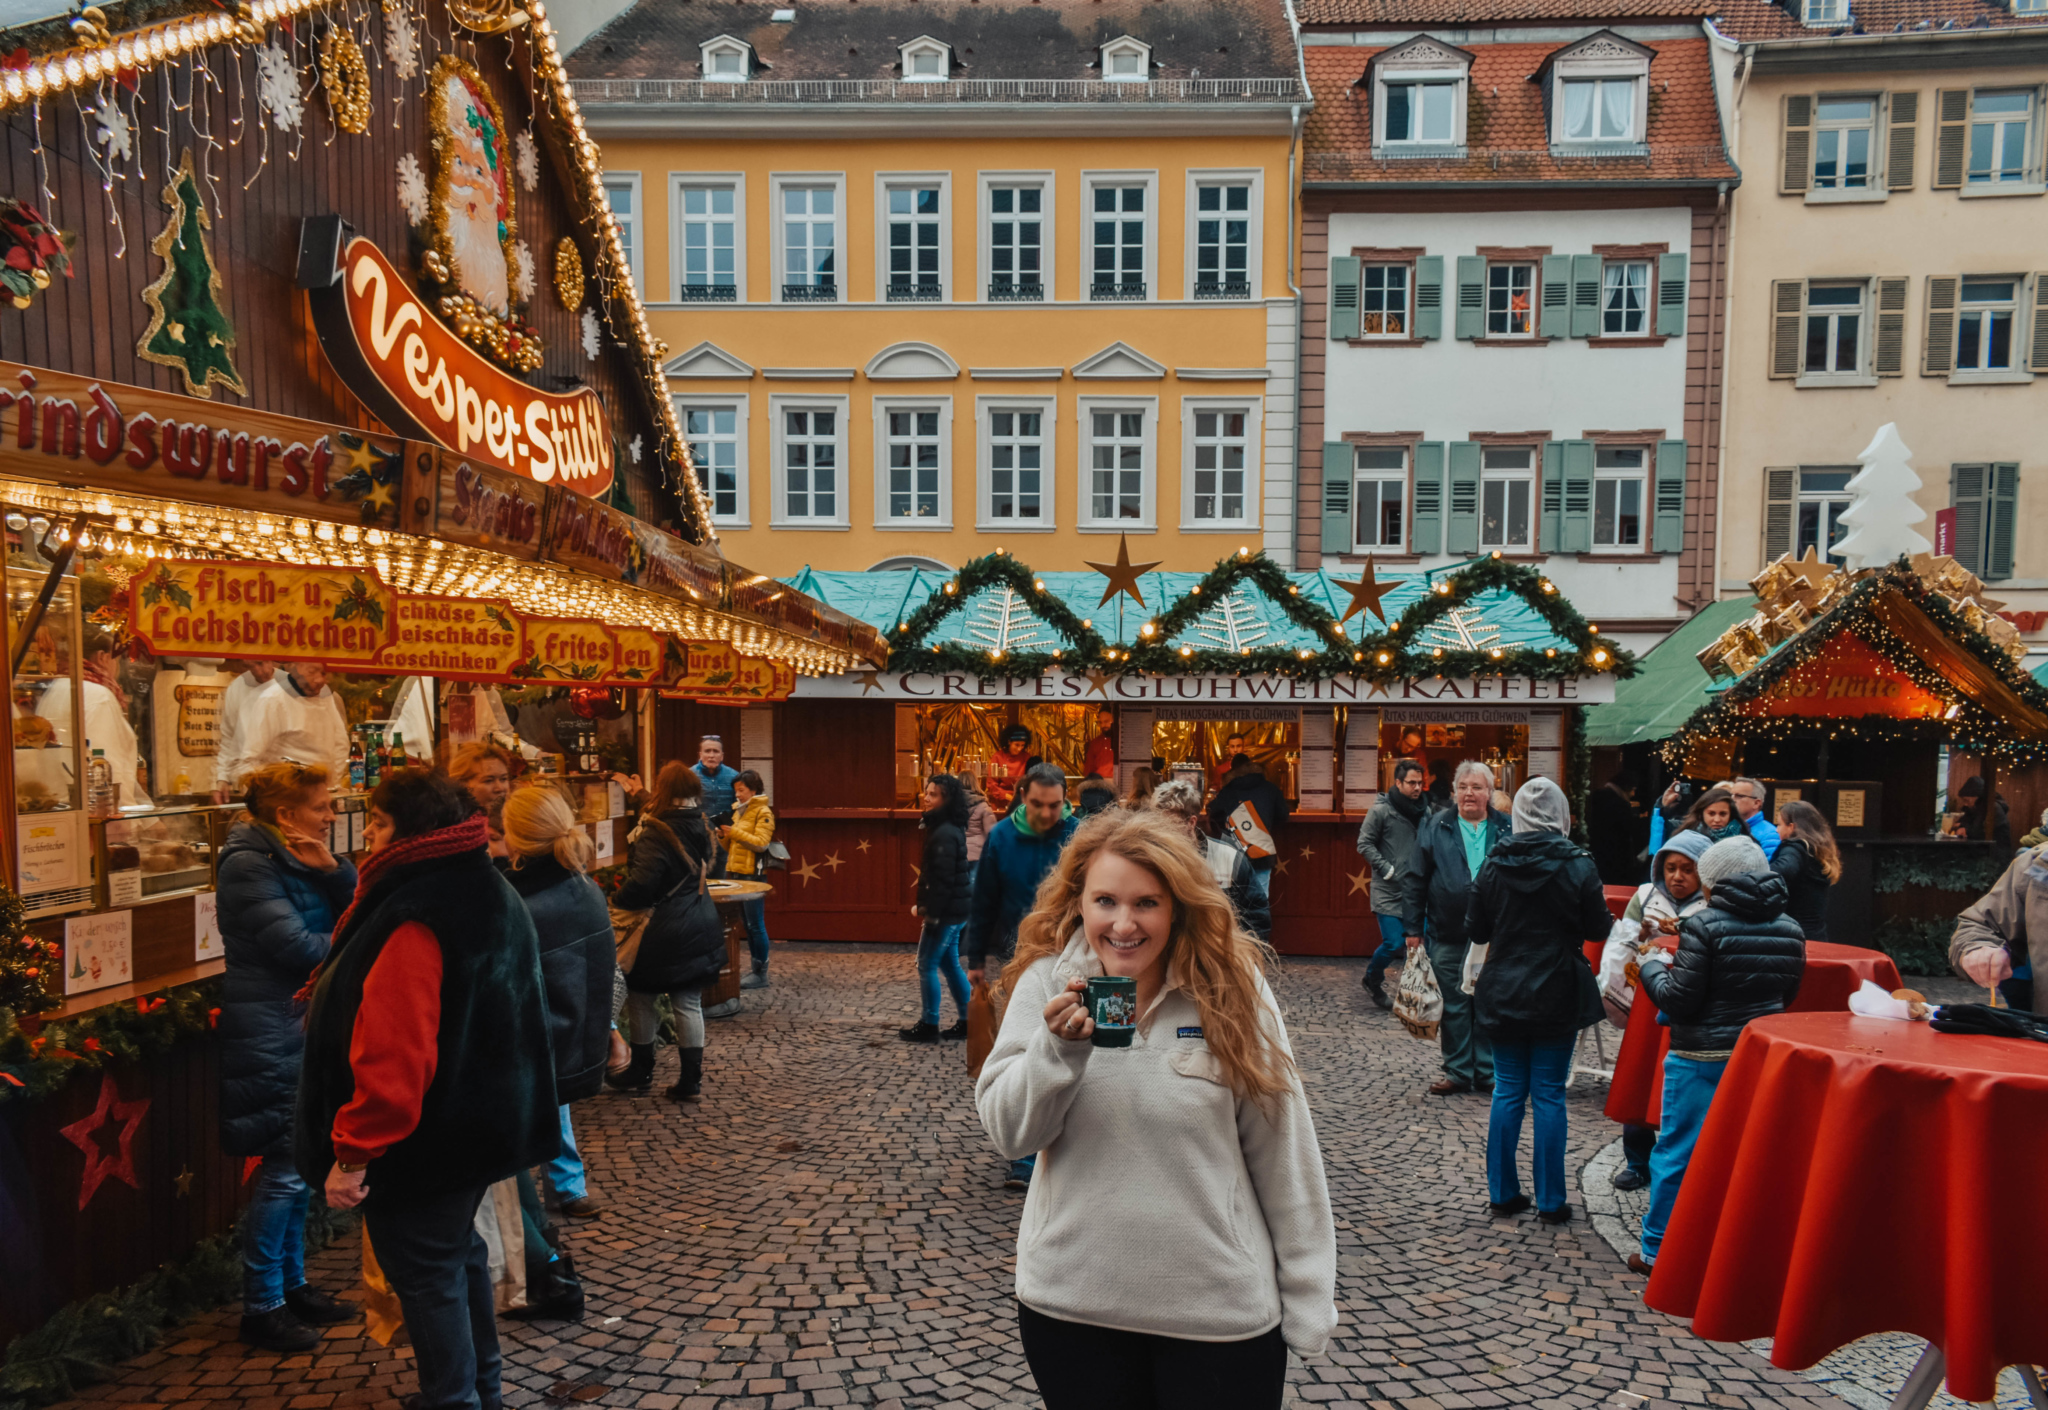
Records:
x=106, y=718
x=230, y=765
x=297, y=718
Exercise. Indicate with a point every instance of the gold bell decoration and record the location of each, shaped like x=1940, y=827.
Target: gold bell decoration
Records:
x=569, y=274
x=347, y=79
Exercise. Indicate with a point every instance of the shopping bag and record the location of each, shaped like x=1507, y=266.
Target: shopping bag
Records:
x=982, y=1020
x=1475, y=959
x=1418, y=1003
x=627, y=928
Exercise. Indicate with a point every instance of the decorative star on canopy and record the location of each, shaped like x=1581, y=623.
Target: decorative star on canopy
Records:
x=1123, y=574
x=1365, y=594
x=808, y=870
x=1811, y=570
x=1098, y=681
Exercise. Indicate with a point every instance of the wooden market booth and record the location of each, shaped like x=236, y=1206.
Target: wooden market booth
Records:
x=311, y=356
x=1487, y=662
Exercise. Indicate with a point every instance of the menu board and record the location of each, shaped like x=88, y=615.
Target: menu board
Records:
x=1318, y=771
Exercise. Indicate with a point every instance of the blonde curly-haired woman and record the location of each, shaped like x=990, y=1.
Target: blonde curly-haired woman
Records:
x=1187, y=1161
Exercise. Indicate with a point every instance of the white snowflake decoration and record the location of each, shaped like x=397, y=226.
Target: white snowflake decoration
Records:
x=401, y=43
x=412, y=188
x=1000, y=622
x=590, y=332
x=278, y=88
x=634, y=446
x=111, y=130
x=1462, y=629
x=526, y=159
x=522, y=272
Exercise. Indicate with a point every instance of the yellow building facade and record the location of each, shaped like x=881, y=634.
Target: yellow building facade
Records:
x=1039, y=297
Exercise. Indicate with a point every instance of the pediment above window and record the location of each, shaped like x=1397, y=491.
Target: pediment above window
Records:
x=1597, y=93
x=707, y=359
x=727, y=60
x=1119, y=359
x=926, y=60
x=911, y=362
x=1422, y=52
x=1126, y=60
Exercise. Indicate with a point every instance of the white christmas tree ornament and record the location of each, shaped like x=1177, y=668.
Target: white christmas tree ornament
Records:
x=522, y=272
x=1881, y=510
x=412, y=188
x=591, y=330
x=277, y=88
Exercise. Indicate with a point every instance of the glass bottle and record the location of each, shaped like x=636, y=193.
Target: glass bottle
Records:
x=373, y=761
x=102, y=798
x=397, y=759
x=355, y=763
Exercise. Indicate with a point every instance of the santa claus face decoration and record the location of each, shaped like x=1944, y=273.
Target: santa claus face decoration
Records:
x=471, y=233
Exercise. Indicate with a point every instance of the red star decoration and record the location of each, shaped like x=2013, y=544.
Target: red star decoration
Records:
x=83, y=1133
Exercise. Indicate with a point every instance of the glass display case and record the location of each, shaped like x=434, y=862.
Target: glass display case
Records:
x=48, y=696
x=167, y=852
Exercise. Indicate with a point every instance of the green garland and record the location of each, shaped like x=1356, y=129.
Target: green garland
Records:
x=1383, y=656
x=34, y=1065
x=1578, y=773
x=1939, y=866
x=1916, y=946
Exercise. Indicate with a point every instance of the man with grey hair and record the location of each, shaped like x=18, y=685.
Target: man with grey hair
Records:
x=1450, y=847
x=1749, y=806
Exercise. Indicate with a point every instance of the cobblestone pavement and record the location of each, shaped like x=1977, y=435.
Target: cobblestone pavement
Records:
x=829, y=1228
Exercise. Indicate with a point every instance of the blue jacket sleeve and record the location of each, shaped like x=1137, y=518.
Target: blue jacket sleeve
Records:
x=981, y=913
x=1765, y=833
x=253, y=893
x=1656, y=830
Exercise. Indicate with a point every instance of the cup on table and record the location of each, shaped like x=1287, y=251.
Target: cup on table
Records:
x=1113, y=1004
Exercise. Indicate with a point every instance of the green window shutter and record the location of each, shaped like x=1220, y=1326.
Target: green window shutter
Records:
x=1587, y=271
x=1471, y=296
x=1343, y=297
x=1966, y=496
x=1429, y=296
x=1902, y=138
x=1888, y=352
x=1951, y=136
x=1557, y=297
x=1337, y=478
x=1668, y=530
x=1461, y=535
x=2002, y=511
x=1575, y=534
x=1795, y=167
x=1671, y=296
x=1551, y=527
x=1428, y=519
x=1781, y=504
x=1938, y=333
x=2037, y=349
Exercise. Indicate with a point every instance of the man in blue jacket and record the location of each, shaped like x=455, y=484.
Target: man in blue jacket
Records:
x=1450, y=847
x=1020, y=850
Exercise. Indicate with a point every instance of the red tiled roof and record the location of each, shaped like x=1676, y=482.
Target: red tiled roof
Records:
x=1412, y=13
x=1507, y=137
x=1760, y=19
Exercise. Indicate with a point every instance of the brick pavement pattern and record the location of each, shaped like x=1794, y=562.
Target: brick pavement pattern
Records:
x=829, y=1228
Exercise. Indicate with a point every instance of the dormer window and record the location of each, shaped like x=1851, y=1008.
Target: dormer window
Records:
x=1824, y=14
x=1418, y=96
x=1127, y=60
x=727, y=60
x=926, y=60
x=1598, y=92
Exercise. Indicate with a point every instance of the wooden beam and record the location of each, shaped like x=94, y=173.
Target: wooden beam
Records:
x=1957, y=665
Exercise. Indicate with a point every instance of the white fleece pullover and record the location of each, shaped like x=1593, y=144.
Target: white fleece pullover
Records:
x=1162, y=1203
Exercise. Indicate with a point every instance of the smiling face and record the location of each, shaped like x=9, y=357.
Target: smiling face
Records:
x=311, y=814
x=475, y=233
x=1126, y=914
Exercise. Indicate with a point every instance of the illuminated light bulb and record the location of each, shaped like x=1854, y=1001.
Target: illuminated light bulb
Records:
x=1496, y=653
x=1187, y=651
x=1593, y=630
x=155, y=44
x=124, y=523
x=1550, y=651
x=1438, y=651
x=35, y=83
x=1385, y=658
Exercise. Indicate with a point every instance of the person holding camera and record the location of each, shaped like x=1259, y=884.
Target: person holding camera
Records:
x=1186, y=1160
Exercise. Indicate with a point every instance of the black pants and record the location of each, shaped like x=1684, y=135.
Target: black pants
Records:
x=1079, y=1367
x=437, y=1263
x=1636, y=1144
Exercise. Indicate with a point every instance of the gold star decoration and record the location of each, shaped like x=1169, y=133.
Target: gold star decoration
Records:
x=183, y=1180
x=871, y=680
x=916, y=872
x=1098, y=681
x=863, y=844
x=176, y=330
x=1281, y=866
x=1123, y=574
x=1365, y=594
x=832, y=861
x=361, y=455
x=1307, y=852
x=1358, y=884
x=808, y=870
x=380, y=498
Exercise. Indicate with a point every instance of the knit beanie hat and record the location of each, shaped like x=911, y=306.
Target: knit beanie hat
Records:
x=1730, y=857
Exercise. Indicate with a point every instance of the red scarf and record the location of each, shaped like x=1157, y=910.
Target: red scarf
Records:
x=469, y=835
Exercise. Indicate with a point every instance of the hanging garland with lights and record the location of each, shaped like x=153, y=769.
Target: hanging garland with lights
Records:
x=37, y=1058
x=1388, y=655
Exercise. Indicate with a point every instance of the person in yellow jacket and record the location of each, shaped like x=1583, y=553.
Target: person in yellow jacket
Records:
x=746, y=841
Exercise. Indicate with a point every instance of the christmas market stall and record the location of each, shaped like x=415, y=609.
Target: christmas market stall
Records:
x=320, y=356
x=1322, y=680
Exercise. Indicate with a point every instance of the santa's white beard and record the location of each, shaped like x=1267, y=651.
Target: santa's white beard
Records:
x=479, y=259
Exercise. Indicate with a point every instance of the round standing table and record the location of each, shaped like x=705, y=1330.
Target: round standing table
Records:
x=727, y=894
x=1857, y=1175
x=1833, y=972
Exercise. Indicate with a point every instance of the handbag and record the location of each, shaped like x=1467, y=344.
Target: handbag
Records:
x=776, y=858
x=983, y=1018
x=628, y=927
x=1475, y=960
x=1418, y=1003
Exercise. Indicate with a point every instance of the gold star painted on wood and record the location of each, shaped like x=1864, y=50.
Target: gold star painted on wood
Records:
x=863, y=844
x=1359, y=882
x=871, y=680
x=1365, y=594
x=832, y=861
x=916, y=872
x=1098, y=681
x=1281, y=866
x=808, y=870
x=176, y=330
x=361, y=455
x=1307, y=852
x=183, y=1180
x=379, y=498
x=1123, y=574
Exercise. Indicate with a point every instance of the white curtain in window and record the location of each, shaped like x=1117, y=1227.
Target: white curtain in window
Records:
x=1578, y=110
x=1616, y=100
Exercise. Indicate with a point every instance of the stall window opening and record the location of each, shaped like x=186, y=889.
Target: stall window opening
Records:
x=1382, y=482
x=1505, y=486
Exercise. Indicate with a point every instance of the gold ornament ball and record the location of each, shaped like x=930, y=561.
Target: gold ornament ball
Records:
x=569, y=274
x=348, y=81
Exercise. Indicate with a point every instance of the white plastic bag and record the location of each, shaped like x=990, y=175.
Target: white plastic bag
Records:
x=1418, y=1003
x=1475, y=959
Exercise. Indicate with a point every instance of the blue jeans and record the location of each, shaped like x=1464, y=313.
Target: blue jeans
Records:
x=1022, y=1169
x=755, y=913
x=274, y=1243
x=938, y=954
x=1393, y=942
x=1530, y=1073
x=436, y=1262
x=565, y=1172
x=1689, y=1087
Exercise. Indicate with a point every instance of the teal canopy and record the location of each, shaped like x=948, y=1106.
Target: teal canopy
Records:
x=1669, y=683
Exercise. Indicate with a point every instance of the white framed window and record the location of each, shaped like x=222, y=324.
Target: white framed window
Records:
x=1126, y=60
x=809, y=447
x=1119, y=238
x=716, y=430
x=1224, y=210
x=708, y=249
x=926, y=60
x=1422, y=112
x=1506, y=492
x=1118, y=463
x=1821, y=13
x=912, y=237
x=1844, y=141
x=1380, y=499
x=1835, y=328
x=1599, y=91
x=1016, y=225
x=1383, y=295
x=810, y=233
x=1823, y=496
x=1419, y=98
x=2001, y=122
x=726, y=59
x=1015, y=438
x=622, y=198
x=1620, y=482
x=913, y=463
x=1987, y=314
x=1219, y=463
x=1511, y=299
x=1598, y=109
x=1625, y=299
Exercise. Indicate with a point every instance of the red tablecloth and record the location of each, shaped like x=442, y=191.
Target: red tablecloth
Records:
x=1833, y=972
x=1856, y=1176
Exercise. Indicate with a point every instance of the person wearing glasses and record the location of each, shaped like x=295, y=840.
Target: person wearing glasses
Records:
x=1749, y=806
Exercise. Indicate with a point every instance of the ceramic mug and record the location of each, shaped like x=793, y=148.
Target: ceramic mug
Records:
x=1113, y=1004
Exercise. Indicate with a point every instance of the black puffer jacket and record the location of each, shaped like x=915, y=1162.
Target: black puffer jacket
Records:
x=1739, y=958
x=577, y=957
x=1537, y=901
x=945, y=883
x=683, y=946
x=1806, y=885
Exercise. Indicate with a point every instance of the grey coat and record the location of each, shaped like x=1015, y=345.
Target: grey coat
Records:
x=1386, y=839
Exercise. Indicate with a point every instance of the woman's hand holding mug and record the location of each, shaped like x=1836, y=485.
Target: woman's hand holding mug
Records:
x=1067, y=1014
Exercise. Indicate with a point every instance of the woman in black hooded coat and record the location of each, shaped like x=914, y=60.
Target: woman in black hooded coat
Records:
x=682, y=947
x=945, y=890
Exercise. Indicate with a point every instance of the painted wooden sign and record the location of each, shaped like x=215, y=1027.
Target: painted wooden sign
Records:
x=454, y=638
x=340, y=616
